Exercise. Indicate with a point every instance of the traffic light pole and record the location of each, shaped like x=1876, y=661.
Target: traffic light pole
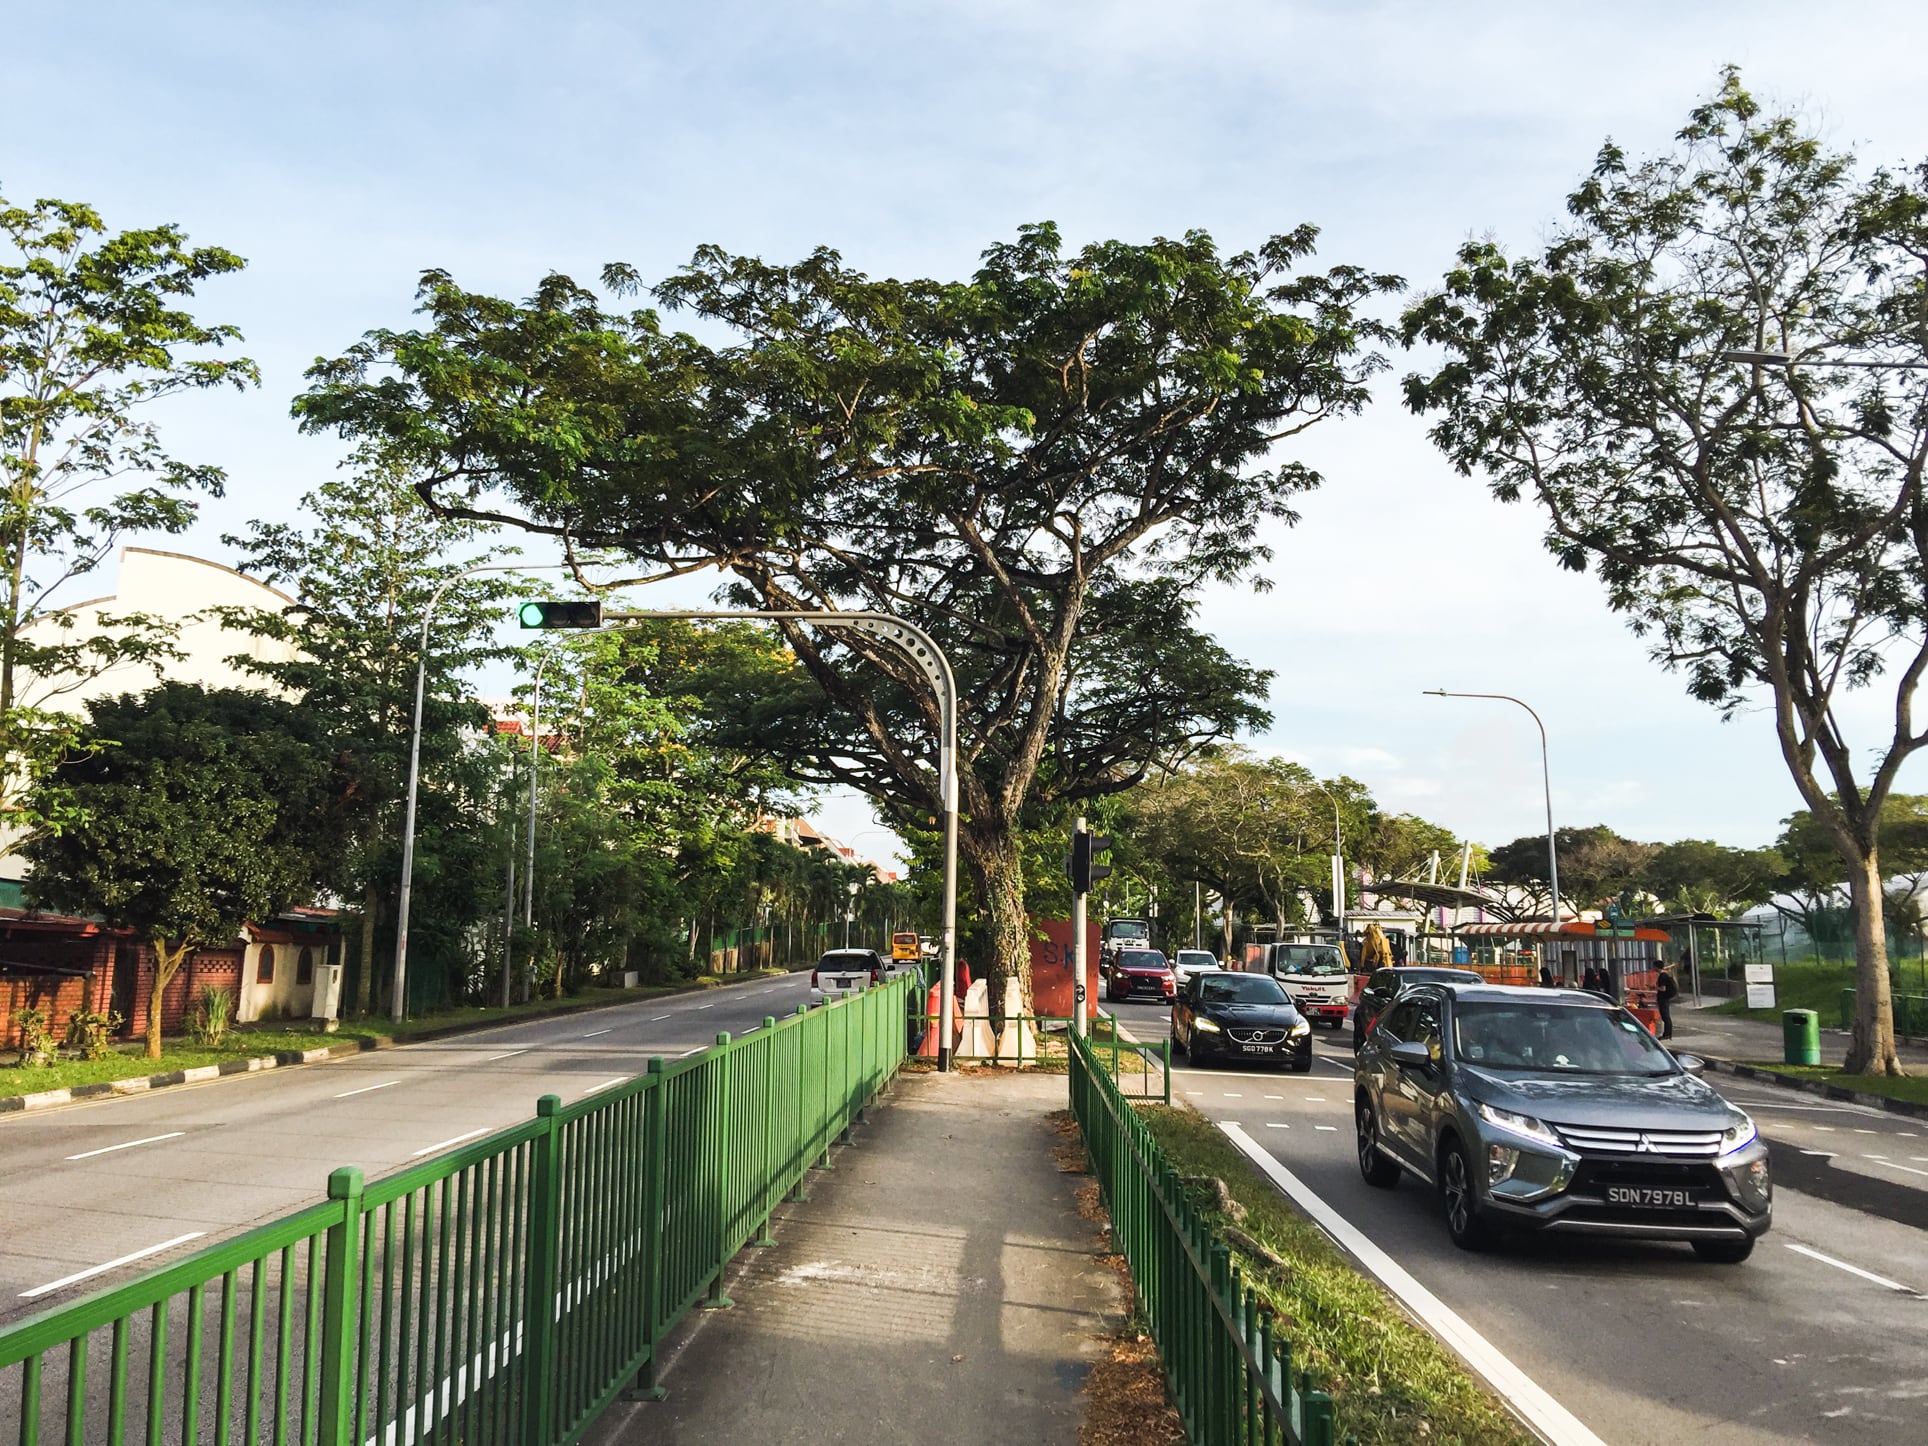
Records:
x=916, y=644
x=1081, y=978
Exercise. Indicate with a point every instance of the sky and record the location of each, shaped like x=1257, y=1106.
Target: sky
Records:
x=343, y=149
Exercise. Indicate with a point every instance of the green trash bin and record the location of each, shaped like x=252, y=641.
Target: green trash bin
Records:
x=1800, y=1037
x=1847, y=1009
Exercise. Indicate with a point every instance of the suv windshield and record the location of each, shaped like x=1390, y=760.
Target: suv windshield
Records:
x=1310, y=959
x=1239, y=989
x=1556, y=1038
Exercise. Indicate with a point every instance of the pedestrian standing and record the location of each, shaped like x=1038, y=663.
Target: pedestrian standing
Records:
x=1665, y=988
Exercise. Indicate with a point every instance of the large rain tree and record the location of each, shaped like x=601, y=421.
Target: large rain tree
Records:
x=94, y=330
x=1761, y=522
x=1041, y=466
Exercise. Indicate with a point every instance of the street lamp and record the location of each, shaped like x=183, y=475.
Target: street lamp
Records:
x=1784, y=359
x=917, y=645
x=535, y=751
x=1546, y=778
x=1338, y=866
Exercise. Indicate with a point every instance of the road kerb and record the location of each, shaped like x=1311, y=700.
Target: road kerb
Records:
x=1527, y=1398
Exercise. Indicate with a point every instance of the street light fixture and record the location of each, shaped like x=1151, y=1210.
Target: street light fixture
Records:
x=1784, y=359
x=1546, y=778
x=1338, y=865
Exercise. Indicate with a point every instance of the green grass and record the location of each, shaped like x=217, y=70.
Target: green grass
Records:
x=1817, y=984
x=244, y=1042
x=1391, y=1381
x=1908, y=1087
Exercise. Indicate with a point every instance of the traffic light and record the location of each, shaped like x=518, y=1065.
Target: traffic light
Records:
x=560, y=614
x=1083, y=866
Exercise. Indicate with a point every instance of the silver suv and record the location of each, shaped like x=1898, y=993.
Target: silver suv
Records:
x=1539, y=1109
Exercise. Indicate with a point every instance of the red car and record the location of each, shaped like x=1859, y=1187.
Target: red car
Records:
x=1139, y=971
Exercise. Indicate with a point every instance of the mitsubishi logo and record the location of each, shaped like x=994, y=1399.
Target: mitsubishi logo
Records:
x=1646, y=1147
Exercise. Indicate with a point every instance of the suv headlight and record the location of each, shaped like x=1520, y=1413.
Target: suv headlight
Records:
x=1206, y=1025
x=1741, y=1132
x=1301, y=1029
x=1536, y=1130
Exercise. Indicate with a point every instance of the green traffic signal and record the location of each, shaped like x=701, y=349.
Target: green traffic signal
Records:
x=560, y=614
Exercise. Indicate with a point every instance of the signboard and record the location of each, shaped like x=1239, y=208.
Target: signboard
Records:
x=1760, y=986
x=1461, y=954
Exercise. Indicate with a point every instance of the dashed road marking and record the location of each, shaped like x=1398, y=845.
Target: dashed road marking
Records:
x=597, y=1089
x=1315, y=1099
x=510, y=1055
x=1884, y=1160
x=1851, y=1269
x=1230, y=1096
x=1275, y=1125
x=127, y=1259
x=365, y=1089
x=127, y=1145
x=1325, y=1127
x=594, y=1032
x=444, y=1144
x=1275, y=1097
x=1820, y=1154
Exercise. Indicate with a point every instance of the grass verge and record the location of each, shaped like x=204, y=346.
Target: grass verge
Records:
x=246, y=1042
x=1908, y=1087
x=1391, y=1381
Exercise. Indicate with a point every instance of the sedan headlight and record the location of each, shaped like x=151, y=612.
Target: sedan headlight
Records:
x=1535, y=1130
x=1741, y=1132
x=1301, y=1029
x=1205, y=1025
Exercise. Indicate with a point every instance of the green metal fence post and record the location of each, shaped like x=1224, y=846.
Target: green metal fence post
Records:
x=544, y=1279
x=717, y=1148
x=1320, y=1428
x=335, y=1416
x=1165, y=1057
x=655, y=1166
x=801, y=1190
x=767, y=1196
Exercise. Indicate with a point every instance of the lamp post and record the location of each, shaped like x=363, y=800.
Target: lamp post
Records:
x=1338, y=867
x=916, y=644
x=535, y=749
x=398, y=1005
x=1546, y=779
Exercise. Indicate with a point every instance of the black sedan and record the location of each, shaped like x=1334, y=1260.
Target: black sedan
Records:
x=1249, y=1017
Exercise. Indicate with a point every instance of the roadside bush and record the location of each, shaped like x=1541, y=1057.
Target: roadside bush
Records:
x=37, y=1046
x=90, y=1034
x=211, y=1018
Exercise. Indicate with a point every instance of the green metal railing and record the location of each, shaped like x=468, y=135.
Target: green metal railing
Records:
x=1910, y=1012
x=1231, y=1378
x=507, y=1291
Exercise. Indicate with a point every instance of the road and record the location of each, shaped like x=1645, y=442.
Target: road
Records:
x=1645, y=1343
x=89, y=1191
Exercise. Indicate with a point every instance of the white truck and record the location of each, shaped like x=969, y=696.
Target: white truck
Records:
x=1315, y=977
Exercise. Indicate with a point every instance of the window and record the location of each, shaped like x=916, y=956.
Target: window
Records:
x=1398, y=1022
x=305, y=966
x=264, y=970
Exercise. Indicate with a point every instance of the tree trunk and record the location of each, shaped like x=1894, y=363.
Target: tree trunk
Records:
x=1226, y=901
x=1872, y=1050
x=365, y=988
x=166, y=966
x=998, y=871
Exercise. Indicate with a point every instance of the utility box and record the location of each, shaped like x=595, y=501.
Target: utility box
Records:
x=325, y=1010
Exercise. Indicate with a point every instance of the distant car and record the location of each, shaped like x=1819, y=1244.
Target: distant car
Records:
x=1316, y=976
x=843, y=972
x=1234, y=1016
x=1138, y=971
x=1187, y=962
x=1530, y=1109
x=1384, y=985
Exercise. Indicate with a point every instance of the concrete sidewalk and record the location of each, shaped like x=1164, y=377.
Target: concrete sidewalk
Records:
x=938, y=1287
x=1733, y=1036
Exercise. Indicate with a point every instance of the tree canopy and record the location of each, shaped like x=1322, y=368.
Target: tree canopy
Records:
x=1761, y=522
x=1040, y=466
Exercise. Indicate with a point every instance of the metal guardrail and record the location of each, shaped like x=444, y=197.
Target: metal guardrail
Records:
x=1232, y=1379
x=1910, y=1012
x=507, y=1291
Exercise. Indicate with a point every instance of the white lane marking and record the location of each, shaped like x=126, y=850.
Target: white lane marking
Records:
x=1315, y=1099
x=127, y=1145
x=1275, y=1125
x=510, y=1055
x=1859, y=1131
x=1884, y=1160
x=1230, y=1096
x=1325, y=1127
x=688, y=1052
x=444, y=1144
x=1824, y=1129
x=656, y=1019
x=94, y=1270
x=1851, y=1269
x=1194, y=1093
x=1275, y=1097
x=1546, y=1415
x=706, y=1006
x=366, y=1088
x=1823, y=1154
x=596, y=1089
x=594, y=1032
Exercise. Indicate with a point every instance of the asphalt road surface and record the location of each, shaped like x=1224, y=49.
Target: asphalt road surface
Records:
x=94, y=1192
x=1821, y=1336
